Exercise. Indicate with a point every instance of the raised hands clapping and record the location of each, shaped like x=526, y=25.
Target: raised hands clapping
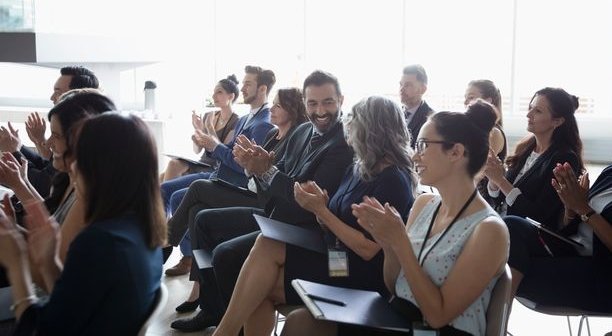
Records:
x=251, y=156
x=383, y=222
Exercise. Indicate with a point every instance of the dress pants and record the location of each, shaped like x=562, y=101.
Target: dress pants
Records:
x=201, y=195
x=169, y=188
x=229, y=234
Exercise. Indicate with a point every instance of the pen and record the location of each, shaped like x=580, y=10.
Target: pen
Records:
x=545, y=245
x=326, y=300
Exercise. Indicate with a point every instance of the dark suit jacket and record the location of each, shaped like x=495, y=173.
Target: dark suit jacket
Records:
x=539, y=200
x=324, y=164
x=256, y=129
x=417, y=121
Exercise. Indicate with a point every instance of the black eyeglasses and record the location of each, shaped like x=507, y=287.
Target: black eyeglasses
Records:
x=422, y=144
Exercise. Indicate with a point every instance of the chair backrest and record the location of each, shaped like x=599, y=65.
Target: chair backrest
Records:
x=158, y=305
x=499, y=305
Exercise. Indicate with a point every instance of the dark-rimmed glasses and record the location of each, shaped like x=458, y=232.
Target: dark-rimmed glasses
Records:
x=422, y=144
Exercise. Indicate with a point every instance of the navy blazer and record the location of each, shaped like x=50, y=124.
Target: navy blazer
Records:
x=418, y=119
x=538, y=199
x=324, y=164
x=256, y=129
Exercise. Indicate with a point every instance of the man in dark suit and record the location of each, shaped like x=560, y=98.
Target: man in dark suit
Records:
x=412, y=87
x=316, y=151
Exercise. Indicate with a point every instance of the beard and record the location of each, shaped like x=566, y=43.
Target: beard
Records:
x=324, y=122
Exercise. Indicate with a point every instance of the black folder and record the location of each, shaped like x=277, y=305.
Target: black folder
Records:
x=553, y=233
x=234, y=187
x=291, y=234
x=188, y=161
x=203, y=258
x=351, y=306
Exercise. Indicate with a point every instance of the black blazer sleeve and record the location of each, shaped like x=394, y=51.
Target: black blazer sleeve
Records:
x=538, y=199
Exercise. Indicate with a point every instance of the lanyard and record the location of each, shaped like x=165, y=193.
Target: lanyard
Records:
x=433, y=218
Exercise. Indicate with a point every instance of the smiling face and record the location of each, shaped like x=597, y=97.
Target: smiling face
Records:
x=323, y=106
x=540, y=120
x=431, y=161
x=58, y=145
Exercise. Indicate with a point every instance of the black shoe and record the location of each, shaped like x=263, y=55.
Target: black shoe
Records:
x=166, y=252
x=188, y=306
x=199, y=322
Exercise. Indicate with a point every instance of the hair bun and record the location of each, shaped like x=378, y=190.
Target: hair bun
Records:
x=482, y=114
x=232, y=78
x=575, y=101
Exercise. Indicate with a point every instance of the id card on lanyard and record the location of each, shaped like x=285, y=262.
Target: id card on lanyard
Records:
x=337, y=260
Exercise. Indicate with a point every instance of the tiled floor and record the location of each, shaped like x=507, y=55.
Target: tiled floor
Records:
x=523, y=321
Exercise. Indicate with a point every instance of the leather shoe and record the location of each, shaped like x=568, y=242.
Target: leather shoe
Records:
x=183, y=267
x=188, y=306
x=199, y=322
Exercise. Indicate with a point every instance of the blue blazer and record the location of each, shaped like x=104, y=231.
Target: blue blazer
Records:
x=256, y=129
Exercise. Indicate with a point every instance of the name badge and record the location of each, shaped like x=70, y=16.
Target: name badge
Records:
x=338, y=263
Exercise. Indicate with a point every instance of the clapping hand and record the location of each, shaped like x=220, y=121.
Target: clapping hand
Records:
x=310, y=196
x=572, y=191
x=204, y=140
x=43, y=234
x=251, y=156
x=494, y=168
x=12, y=243
x=12, y=172
x=197, y=121
x=384, y=223
x=9, y=139
x=36, y=128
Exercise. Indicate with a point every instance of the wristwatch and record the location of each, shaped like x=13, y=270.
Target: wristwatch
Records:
x=585, y=218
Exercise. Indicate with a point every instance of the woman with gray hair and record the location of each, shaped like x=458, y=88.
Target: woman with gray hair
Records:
x=376, y=130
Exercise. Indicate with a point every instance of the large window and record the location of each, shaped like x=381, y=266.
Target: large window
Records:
x=521, y=45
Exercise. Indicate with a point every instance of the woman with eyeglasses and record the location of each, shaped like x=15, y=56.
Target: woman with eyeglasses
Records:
x=442, y=266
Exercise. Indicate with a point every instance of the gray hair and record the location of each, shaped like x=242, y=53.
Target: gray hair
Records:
x=377, y=132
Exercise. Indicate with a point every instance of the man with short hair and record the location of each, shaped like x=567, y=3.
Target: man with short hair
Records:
x=412, y=87
x=316, y=151
x=40, y=170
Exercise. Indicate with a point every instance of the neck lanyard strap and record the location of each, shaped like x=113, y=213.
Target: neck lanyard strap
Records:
x=433, y=219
